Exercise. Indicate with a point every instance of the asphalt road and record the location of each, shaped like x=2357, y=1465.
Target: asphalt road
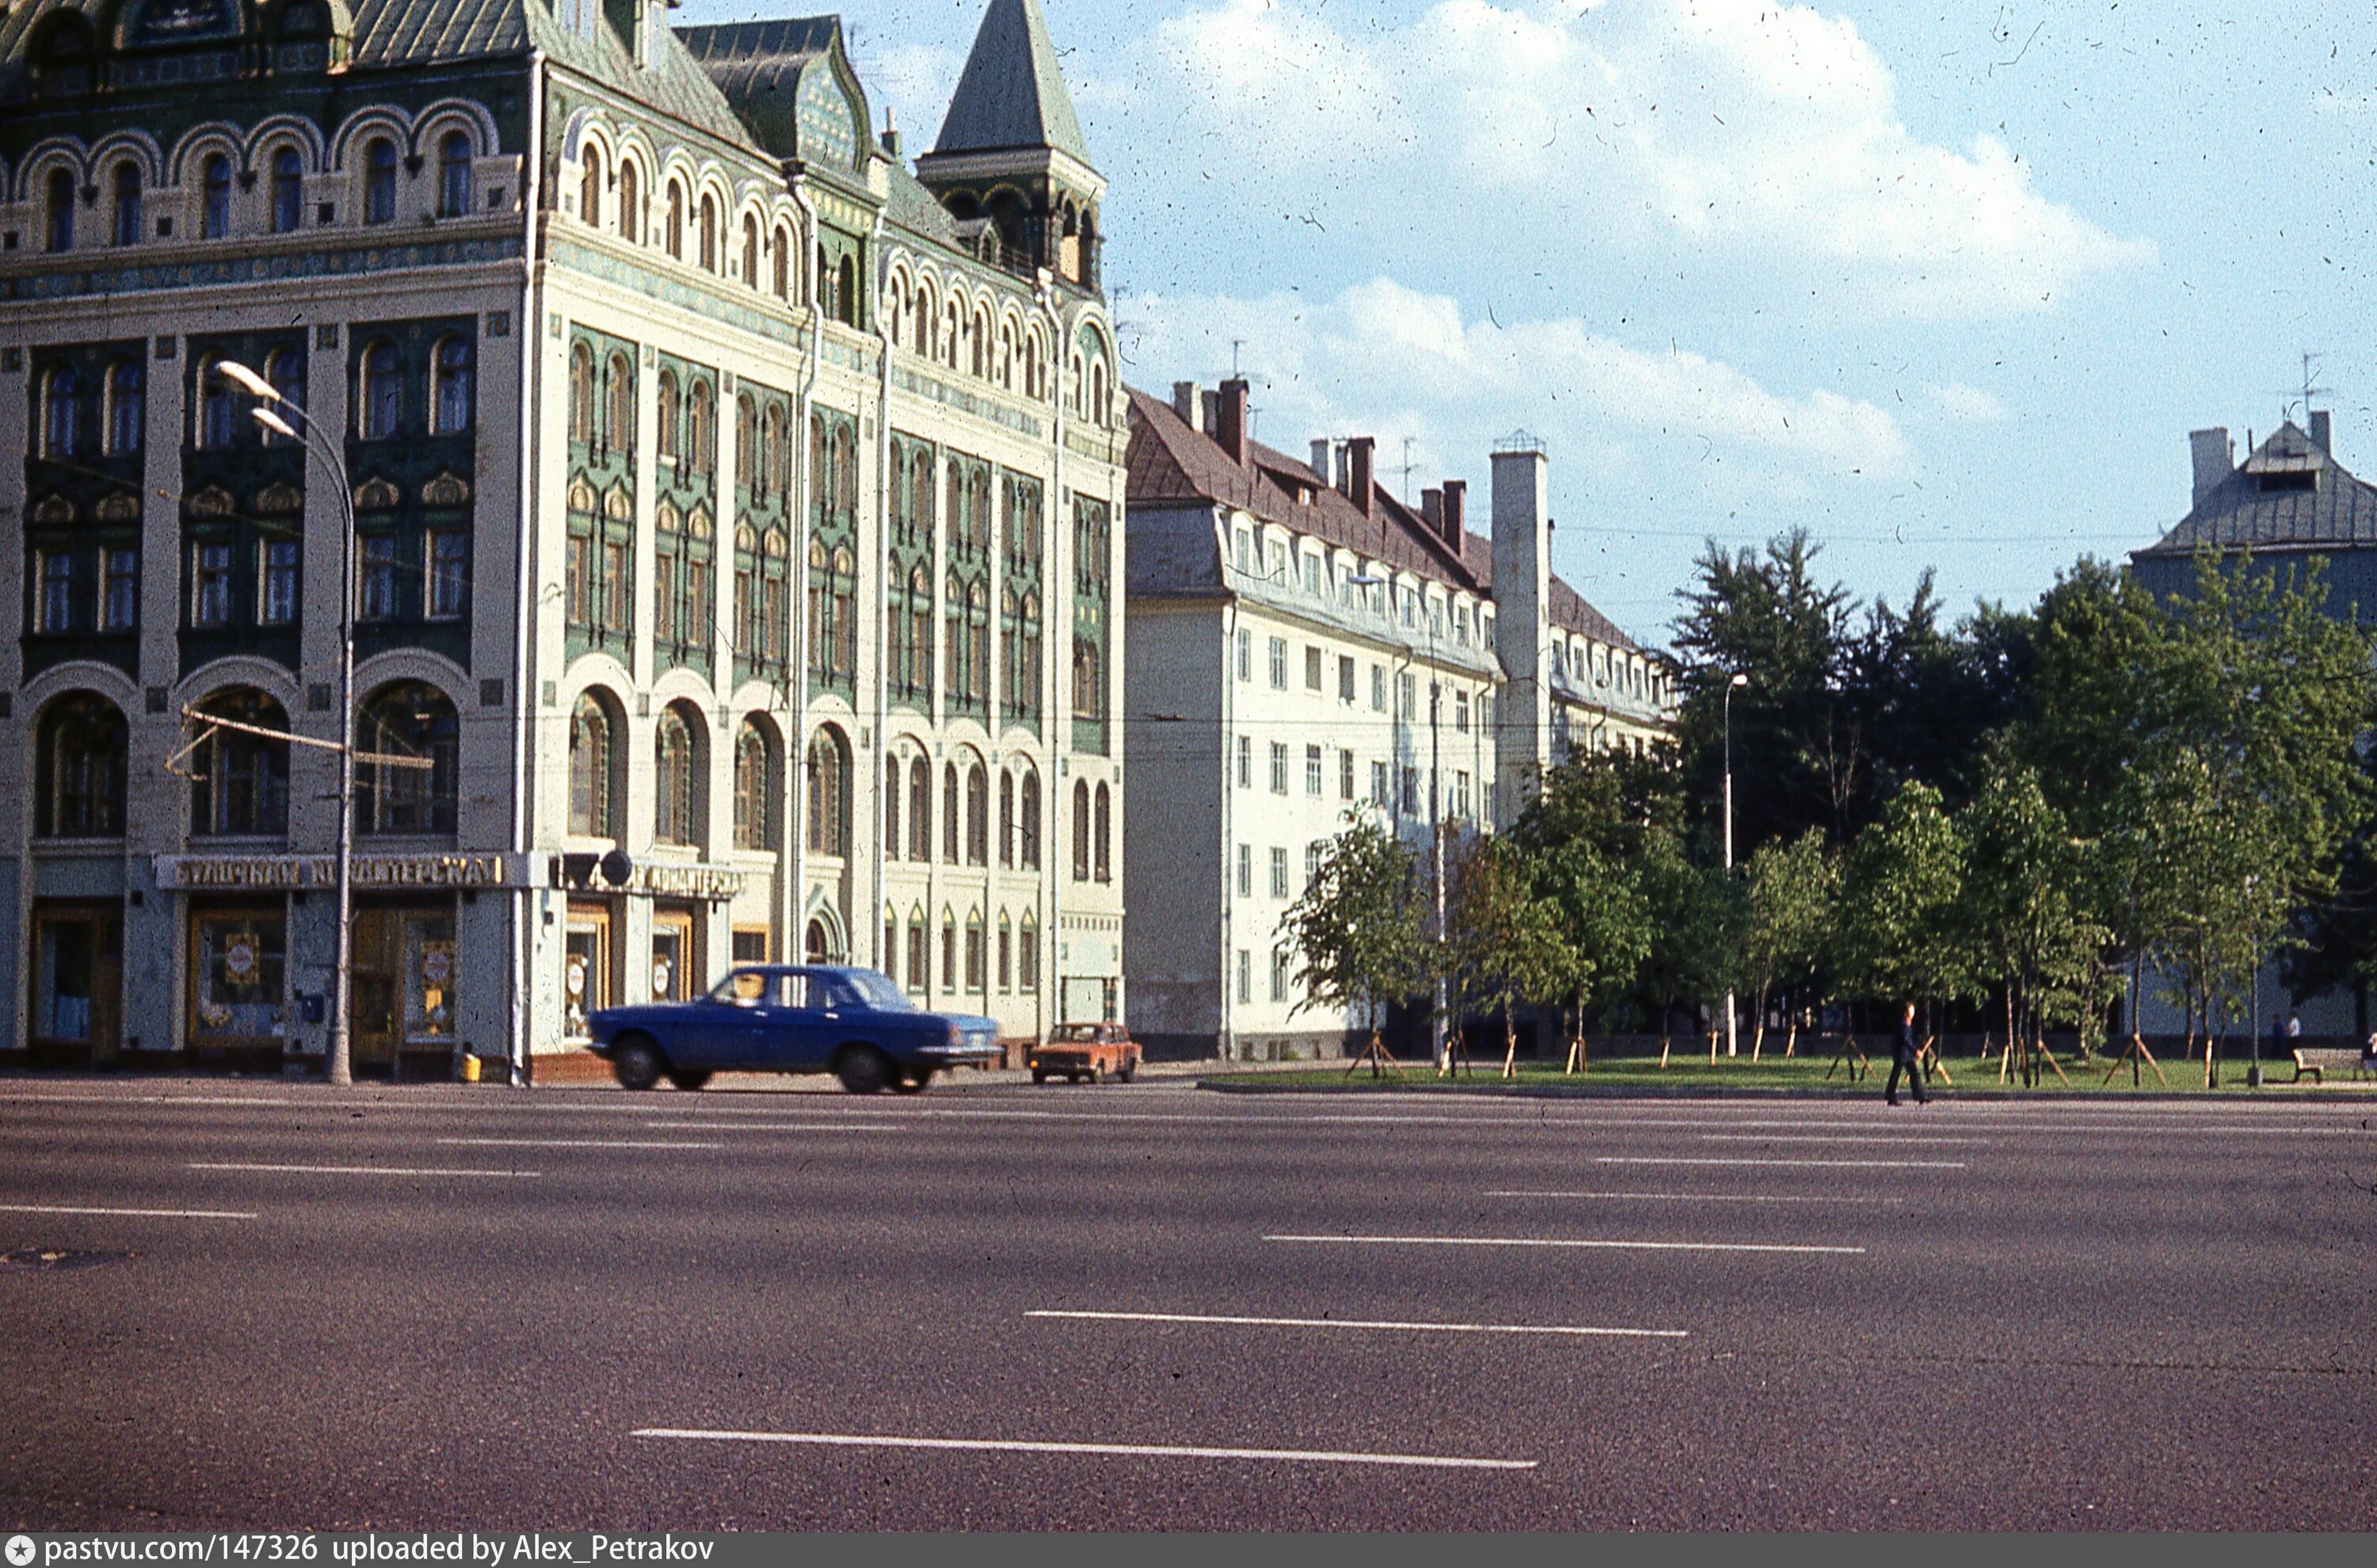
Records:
x=426, y=1308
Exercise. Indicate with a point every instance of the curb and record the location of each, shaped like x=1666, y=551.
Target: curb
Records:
x=1757, y=1092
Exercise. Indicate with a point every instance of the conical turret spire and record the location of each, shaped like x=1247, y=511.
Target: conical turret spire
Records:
x=1012, y=94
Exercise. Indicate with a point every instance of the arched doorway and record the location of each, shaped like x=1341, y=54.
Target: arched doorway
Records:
x=819, y=943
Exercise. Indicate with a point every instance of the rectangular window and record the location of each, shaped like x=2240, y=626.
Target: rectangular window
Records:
x=1379, y=786
x=57, y=570
x=1345, y=677
x=1246, y=762
x=1279, y=966
x=1312, y=575
x=119, y=604
x=1460, y=712
x=1279, y=873
x=449, y=573
x=1460, y=793
x=1312, y=770
x=949, y=958
x=378, y=574
x=1246, y=654
x=1005, y=959
x=581, y=584
x=211, y=585
x=278, y=604
x=1312, y=854
x=1312, y=668
x=1344, y=775
x=615, y=607
x=1406, y=695
x=1279, y=767
x=1411, y=792
x=664, y=627
x=1246, y=975
x=1245, y=870
x=1027, y=960
x=696, y=604
x=1246, y=551
x=1279, y=663
x=1378, y=689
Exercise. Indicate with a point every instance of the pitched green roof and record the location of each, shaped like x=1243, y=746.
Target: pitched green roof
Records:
x=1012, y=94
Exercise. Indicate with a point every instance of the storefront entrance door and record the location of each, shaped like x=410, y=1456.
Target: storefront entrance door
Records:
x=404, y=967
x=585, y=985
x=77, y=982
x=676, y=967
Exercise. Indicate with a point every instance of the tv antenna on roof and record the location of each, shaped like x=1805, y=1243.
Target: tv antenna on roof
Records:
x=1236, y=344
x=1407, y=465
x=2311, y=370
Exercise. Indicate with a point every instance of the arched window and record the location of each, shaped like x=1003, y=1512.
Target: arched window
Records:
x=709, y=232
x=920, y=632
x=921, y=320
x=750, y=251
x=61, y=412
x=978, y=642
x=618, y=404
x=845, y=588
x=820, y=628
x=454, y=175
x=450, y=408
x=590, y=186
x=1006, y=951
x=828, y=768
x=674, y=232
x=952, y=819
x=591, y=770
x=379, y=409
x=239, y=779
x=951, y=333
x=411, y=720
x=1080, y=829
x=783, y=263
x=379, y=181
x=214, y=202
x=284, y=369
x=128, y=203
x=288, y=191
x=1027, y=953
x=981, y=346
x=920, y=809
x=82, y=751
x=126, y=407
x=845, y=469
x=61, y=224
x=1005, y=818
x=668, y=438
x=218, y=422
x=953, y=677
x=746, y=443
x=920, y=939
x=975, y=978
x=891, y=815
x=1098, y=411
x=846, y=289
x=631, y=211
x=581, y=394
x=701, y=429
x=977, y=815
x=1103, y=835
x=1028, y=822
x=673, y=779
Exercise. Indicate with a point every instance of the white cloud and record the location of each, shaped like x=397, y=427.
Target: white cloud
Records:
x=1768, y=131
x=1385, y=360
x=1970, y=405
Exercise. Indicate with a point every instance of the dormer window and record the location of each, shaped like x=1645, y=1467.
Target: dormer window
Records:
x=2292, y=478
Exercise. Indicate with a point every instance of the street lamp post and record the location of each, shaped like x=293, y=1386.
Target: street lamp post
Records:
x=1732, y=1044
x=337, y=1066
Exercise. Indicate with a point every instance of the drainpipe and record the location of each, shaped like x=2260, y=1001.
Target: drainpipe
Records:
x=1058, y=533
x=883, y=960
x=532, y=337
x=795, y=897
x=1228, y=1037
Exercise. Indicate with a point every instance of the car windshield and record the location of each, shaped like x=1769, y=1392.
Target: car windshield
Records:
x=875, y=990
x=1075, y=1031
x=745, y=987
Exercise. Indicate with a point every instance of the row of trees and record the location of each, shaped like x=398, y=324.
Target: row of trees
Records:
x=2023, y=818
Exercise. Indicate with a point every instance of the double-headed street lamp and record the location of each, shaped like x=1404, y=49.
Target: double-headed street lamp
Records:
x=338, y=1063
x=1732, y=1044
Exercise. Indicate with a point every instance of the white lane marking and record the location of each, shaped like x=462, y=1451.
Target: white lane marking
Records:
x=1562, y=1241
x=572, y=1143
x=1804, y=1165
x=1909, y=1139
x=712, y=1126
x=1702, y=1197
x=1119, y=1450
x=359, y=1170
x=1357, y=1322
x=133, y=1214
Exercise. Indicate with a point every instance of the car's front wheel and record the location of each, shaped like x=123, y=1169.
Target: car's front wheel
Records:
x=636, y=1064
x=687, y=1079
x=913, y=1081
x=1127, y=1071
x=863, y=1069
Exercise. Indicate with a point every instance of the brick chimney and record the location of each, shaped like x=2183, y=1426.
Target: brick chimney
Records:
x=1431, y=507
x=1361, y=487
x=1230, y=429
x=1320, y=463
x=1188, y=405
x=2215, y=459
x=2322, y=427
x=1456, y=502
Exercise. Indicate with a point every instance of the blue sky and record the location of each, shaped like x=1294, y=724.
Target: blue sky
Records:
x=1947, y=284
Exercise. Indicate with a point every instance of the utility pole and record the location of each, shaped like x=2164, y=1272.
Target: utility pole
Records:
x=1732, y=1041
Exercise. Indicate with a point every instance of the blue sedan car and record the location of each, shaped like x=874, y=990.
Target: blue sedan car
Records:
x=809, y=1018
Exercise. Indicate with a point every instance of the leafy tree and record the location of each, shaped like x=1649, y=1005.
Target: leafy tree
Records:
x=1695, y=929
x=1356, y=928
x=1789, y=890
x=1583, y=836
x=1898, y=938
x=1505, y=940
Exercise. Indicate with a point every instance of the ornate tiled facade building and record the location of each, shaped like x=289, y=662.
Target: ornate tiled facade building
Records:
x=736, y=514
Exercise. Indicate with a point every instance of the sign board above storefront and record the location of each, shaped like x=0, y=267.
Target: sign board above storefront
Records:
x=301, y=873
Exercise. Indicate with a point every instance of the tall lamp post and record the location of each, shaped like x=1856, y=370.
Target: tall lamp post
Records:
x=337, y=1066
x=1732, y=1043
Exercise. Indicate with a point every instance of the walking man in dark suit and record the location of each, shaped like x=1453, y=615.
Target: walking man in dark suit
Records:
x=1906, y=1058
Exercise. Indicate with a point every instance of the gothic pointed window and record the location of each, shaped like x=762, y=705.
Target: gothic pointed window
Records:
x=977, y=815
x=750, y=251
x=581, y=394
x=590, y=186
x=591, y=770
x=673, y=779
x=668, y=433
x=675, y=232
x=631, y=211
x=755, y=787
x=709, y=234
x=829, y=793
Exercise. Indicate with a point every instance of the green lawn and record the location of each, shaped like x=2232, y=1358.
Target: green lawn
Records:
x=1693, y=1071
